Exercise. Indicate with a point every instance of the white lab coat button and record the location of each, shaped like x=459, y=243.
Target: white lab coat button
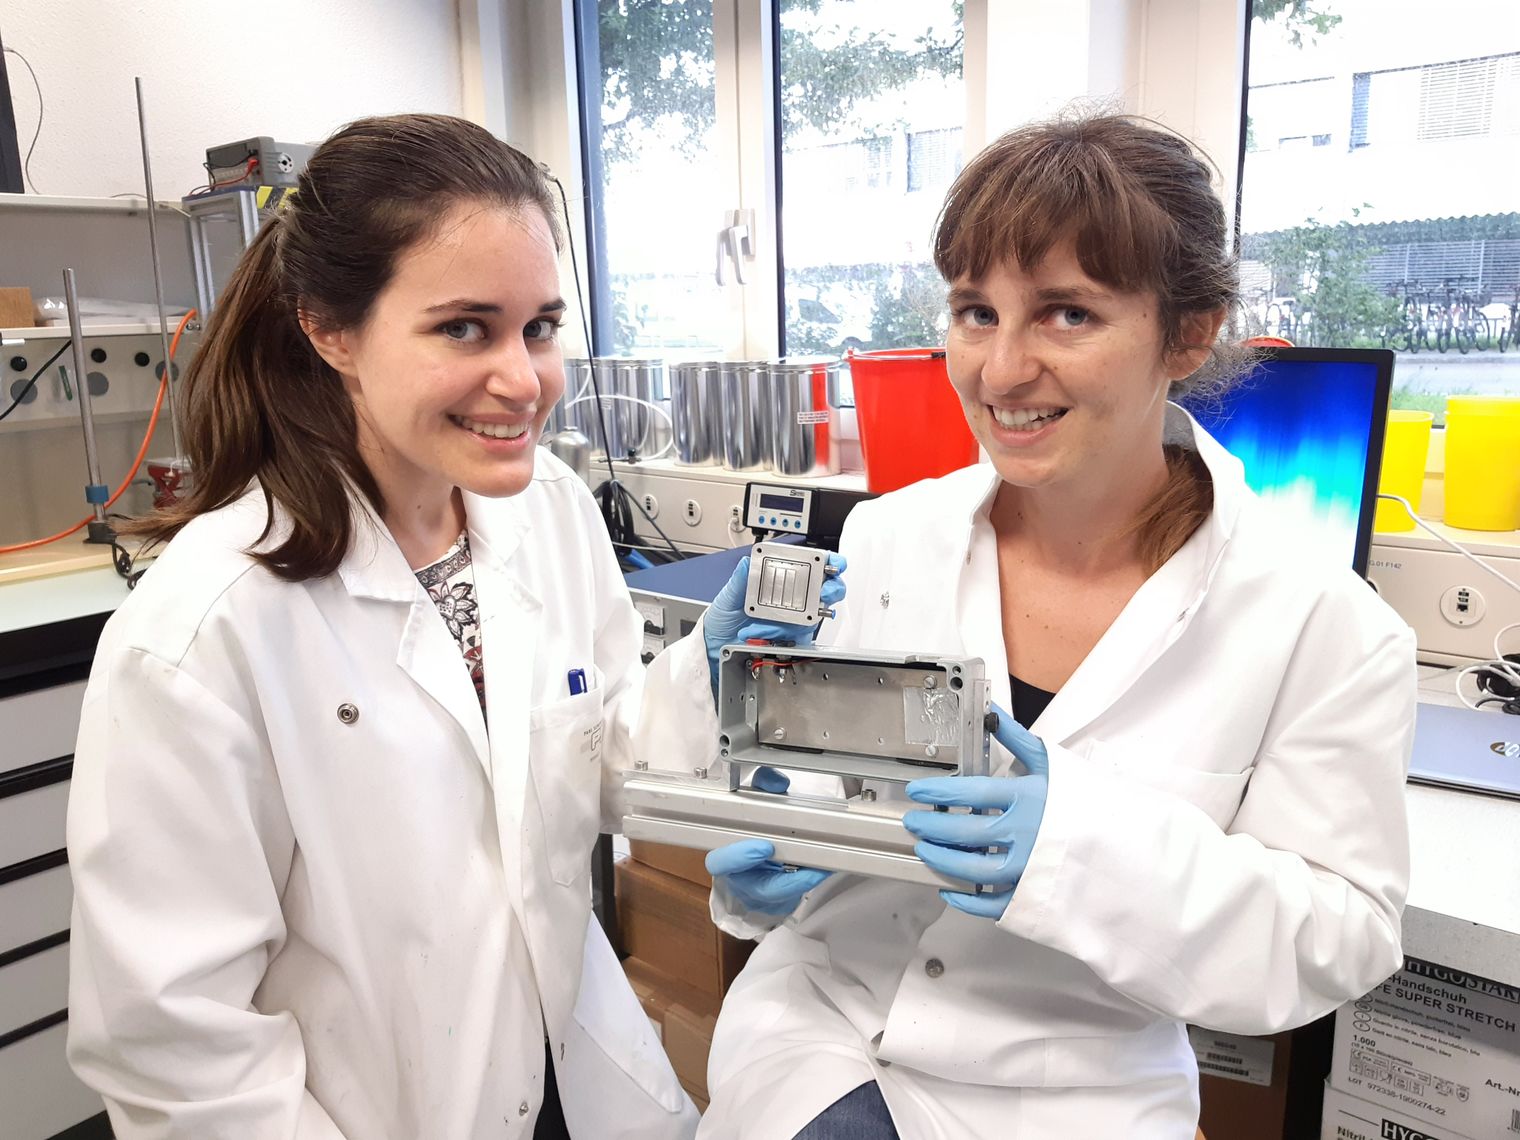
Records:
x=348, y=713
x=934, y=967
x=522, y=1109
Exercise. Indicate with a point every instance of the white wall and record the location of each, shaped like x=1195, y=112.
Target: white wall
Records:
x=215, y=72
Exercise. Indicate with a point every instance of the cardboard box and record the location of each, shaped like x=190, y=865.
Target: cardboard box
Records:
x=683, y=862
x=1350, y=1118
x=658, y=991
x=16, y=310
x=1261, y=1088
x=688, y=1040
x=683, y=1017
x=665, y=922
x=1437, y=1044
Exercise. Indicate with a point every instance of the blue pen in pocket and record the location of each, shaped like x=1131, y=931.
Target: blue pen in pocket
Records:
x=577, y=681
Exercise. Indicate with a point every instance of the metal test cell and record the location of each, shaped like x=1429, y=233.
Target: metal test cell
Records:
x=855, y=715
x=786, y=583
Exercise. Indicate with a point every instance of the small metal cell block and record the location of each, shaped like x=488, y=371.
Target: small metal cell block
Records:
x=785, y=583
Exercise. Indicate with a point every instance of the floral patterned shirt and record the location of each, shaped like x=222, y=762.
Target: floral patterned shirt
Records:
x=450, y=582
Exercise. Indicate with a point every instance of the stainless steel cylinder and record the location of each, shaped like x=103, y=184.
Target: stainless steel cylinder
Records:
x=632, y=428
x=745, y=403
x=577, y=383
x=592, y=416
x=642, y=431
x=804, y=422
x=574, y=449
x=696, y=412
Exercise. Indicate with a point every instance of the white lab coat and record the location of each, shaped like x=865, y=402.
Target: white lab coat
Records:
x=1224, y=844
x=291, y=924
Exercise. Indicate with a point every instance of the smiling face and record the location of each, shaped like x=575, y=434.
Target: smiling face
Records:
x=1063, y=379
x=457, y=365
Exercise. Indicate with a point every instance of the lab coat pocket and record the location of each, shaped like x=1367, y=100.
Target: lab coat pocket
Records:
x=565, y=750
x=1218, y=794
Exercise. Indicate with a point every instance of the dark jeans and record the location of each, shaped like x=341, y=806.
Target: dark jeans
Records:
x=551, y=1117
x=858, y=1115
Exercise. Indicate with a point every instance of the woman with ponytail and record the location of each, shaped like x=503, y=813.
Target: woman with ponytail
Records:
x=346, y=750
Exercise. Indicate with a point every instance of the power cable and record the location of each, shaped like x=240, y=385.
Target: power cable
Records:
x=32, y=383
x=619, y=521
x=27, y=165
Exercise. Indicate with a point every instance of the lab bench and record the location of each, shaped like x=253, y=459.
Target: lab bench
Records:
x=1463, y=912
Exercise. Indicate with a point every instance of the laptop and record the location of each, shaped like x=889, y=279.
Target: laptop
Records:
x=1474, y=750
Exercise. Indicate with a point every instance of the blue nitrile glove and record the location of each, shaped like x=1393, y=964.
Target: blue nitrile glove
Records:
x=749, y=872
x=957, y=844
x=725, y=622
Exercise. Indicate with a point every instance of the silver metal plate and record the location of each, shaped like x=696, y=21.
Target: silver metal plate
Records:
x=852, y=836
x=869, y=710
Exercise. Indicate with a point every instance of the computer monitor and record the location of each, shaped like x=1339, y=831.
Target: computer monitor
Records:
x=1307, y=423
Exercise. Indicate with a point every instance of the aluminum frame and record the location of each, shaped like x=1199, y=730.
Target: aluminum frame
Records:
x=856, y=833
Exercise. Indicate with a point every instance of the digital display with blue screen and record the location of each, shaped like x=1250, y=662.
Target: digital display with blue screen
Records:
x=1308, y=426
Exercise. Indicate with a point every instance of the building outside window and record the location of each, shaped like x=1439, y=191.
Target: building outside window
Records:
x=1378, y=194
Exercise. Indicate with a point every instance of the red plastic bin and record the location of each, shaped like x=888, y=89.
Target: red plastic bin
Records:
x=911, y=423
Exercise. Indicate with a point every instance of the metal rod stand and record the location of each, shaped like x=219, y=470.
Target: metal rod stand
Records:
x=158, y=273
x=95, y=492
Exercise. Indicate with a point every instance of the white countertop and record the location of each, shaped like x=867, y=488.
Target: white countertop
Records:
x=1464, y=847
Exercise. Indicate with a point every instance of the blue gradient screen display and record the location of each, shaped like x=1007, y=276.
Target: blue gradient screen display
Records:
x=1310, y=435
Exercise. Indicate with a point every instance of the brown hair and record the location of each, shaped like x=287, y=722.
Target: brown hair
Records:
x=257, y=401
x=1138, y=205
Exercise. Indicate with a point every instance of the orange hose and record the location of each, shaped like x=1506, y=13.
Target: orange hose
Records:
x=163, y=387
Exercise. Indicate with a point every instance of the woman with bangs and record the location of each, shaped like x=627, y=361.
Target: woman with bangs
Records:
x=1197, y=810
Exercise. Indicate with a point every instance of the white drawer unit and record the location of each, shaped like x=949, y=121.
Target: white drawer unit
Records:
x=35, y=904
x=40, y=725
x=40, y=1094
x=32, y=822
x=34, y=988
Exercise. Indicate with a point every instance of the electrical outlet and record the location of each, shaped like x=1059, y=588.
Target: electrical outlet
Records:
x=1463, y=605
x=735, y=519
x=651, y=506
x=693, y=514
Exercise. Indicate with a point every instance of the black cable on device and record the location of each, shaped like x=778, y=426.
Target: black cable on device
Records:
x=32, y=383
x=620, y=525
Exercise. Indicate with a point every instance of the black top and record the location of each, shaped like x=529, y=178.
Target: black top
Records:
x=1028, y=701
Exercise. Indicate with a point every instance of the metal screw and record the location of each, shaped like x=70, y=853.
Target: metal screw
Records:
x=699, y=773
x=641, y=765
x=825, y=734
x=522, y=1109
x=931, y=750
x=886, y=598
x=348, y=713
x=868, y=794
x=934, y=967
x=929, y=681
x=779, y=734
